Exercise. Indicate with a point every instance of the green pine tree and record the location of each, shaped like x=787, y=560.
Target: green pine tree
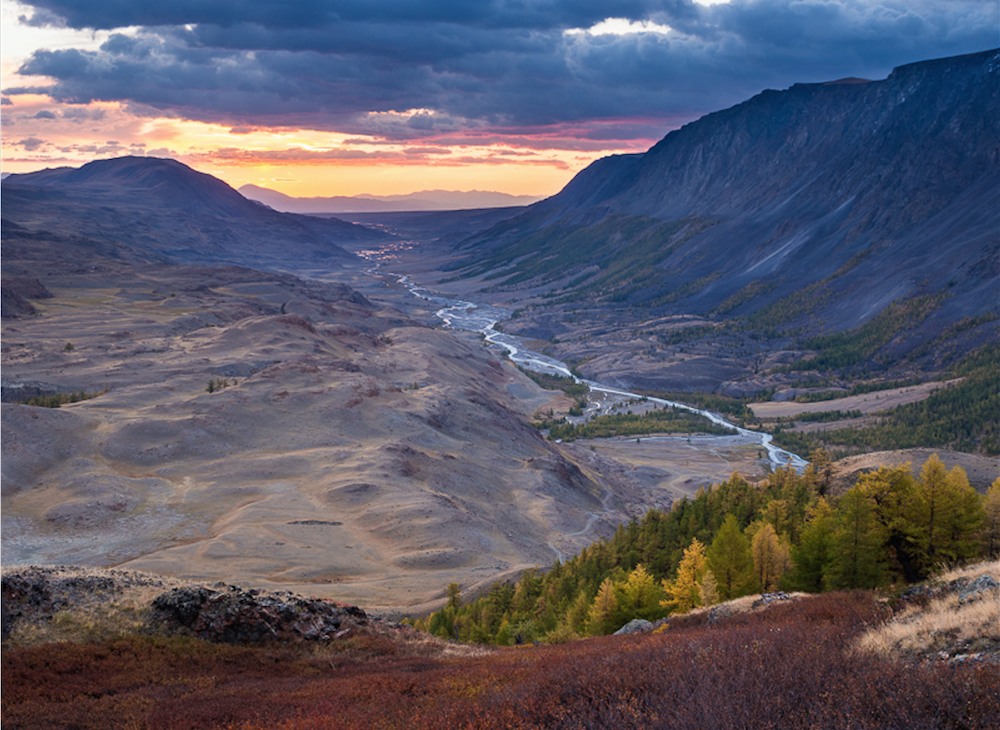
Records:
x=858, y=544
x=730, y=561
x=811, y=557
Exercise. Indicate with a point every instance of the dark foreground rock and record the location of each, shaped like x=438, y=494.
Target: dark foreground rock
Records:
x=43, y=596
x=233, y=615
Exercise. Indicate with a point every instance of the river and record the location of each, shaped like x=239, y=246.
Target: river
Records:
x=483, y=318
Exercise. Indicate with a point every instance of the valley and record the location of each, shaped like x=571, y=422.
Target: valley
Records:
x=283, y=432
x=524, y=365
x=256, y=402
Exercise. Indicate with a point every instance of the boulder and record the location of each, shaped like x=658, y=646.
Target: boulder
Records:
x=634, y=626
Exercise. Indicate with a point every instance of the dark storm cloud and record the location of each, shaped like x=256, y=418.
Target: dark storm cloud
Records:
x=310, y=14
x=480, y=65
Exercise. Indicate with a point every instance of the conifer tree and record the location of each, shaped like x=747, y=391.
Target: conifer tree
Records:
x=709, y=589
x=770, y=557
x=991, y=522
x=775, y=513
x=811, y=557
x=684, y=592
x=603, y=611
x=454, y=595
x=946, y=514
x=730, y=561
x=639, y=596
x=858, y=544
x=893, y=490
x=579, y=613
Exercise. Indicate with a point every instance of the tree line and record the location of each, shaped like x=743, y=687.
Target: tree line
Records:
x=739, y=538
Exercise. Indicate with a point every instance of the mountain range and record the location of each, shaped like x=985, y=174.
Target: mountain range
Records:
x=812, y=208
x=424, y=200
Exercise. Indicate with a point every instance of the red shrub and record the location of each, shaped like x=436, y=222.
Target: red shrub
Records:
x=785, y=667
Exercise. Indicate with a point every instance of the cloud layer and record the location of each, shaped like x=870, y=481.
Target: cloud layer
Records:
x=411, y=69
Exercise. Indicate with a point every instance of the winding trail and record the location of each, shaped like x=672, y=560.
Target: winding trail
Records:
x=592, y=517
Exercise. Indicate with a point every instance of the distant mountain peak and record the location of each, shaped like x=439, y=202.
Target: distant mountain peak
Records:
x=425, y=200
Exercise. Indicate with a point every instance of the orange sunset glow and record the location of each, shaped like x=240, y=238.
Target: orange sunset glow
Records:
x=298, y=162
x=387, y=98
x=41, y=132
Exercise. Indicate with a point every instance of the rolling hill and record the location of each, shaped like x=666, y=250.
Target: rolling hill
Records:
x=425, y=200
x=155, y=209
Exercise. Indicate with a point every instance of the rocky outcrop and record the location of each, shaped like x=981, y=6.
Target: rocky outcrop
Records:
x=16, y=291
x=635, y=626
x=233, y=615
x=220, y=613
x=967, y=589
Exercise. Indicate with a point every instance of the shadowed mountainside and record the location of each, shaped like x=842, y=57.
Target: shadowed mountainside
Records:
x=161, y=210
x=810, y=209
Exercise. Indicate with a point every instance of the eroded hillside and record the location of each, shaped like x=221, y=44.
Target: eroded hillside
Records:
x=255, y=427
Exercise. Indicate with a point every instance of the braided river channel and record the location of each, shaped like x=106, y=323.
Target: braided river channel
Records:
x=482, y=318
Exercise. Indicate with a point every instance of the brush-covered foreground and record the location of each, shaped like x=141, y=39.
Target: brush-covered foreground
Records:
x=789, y=665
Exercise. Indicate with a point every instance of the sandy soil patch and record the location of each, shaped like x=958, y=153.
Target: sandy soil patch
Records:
x=866, y=403
x=672, y=467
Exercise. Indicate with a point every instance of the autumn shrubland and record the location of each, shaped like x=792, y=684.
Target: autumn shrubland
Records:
x=789, y=665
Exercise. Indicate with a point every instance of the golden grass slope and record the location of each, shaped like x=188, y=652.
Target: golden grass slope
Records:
x=945, y=627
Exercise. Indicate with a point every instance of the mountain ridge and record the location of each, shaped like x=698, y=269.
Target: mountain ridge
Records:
x=159, y=209
x=812, y=208
x=424, y=200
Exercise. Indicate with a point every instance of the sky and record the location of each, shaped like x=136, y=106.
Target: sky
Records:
x=343, y=97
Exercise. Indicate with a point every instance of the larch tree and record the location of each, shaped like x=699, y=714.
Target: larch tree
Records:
x=730, y=561
x=684, y=592
x=603, y=611
x=708, y=589
x=811, y=557
x=770, y=557
x=946, y=515
x=991, y=522
x=454, y=595
x=775, y=513
x=639, y=596
x=858, y=544
x=893, y=490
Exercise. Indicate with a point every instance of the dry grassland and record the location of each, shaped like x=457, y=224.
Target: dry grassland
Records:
x=945, y=626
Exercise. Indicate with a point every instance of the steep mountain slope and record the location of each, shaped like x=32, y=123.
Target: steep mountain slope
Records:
x=814, y=207
x=161, y=210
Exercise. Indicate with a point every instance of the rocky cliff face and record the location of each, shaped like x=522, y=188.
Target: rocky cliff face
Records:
x=865, y=191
